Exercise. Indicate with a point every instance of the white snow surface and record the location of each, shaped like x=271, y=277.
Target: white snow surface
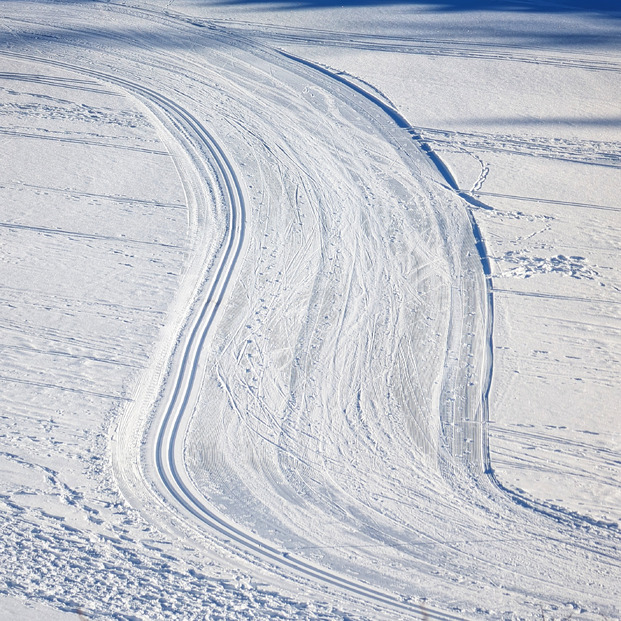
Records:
x=309, y=310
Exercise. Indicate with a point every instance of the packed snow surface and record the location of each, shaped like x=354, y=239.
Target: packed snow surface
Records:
x=310, y=311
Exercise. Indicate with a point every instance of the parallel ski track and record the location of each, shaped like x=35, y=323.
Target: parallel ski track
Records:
x=169, y=441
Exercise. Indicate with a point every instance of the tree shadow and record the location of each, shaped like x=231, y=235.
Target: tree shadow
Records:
x=610, y=8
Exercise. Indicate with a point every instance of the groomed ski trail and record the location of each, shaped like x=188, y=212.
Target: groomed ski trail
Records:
x=462, y=457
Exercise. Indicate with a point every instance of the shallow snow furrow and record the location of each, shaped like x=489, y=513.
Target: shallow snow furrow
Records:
x=124, y=200
x=82, y=141
x=595, y=153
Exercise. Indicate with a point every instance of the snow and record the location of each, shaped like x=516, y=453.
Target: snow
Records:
x=253, y=362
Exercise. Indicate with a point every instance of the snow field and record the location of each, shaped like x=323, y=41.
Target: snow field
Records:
x=282, y=319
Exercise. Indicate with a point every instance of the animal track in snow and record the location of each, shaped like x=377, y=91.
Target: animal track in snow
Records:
x=527, y=266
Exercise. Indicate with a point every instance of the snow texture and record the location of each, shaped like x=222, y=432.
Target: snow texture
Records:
x=309, y=310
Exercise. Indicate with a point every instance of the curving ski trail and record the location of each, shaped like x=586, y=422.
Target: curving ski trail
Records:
x=170, y=483
x=169, y=440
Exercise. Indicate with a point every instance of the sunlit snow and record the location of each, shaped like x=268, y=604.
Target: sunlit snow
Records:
x=310, y=310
